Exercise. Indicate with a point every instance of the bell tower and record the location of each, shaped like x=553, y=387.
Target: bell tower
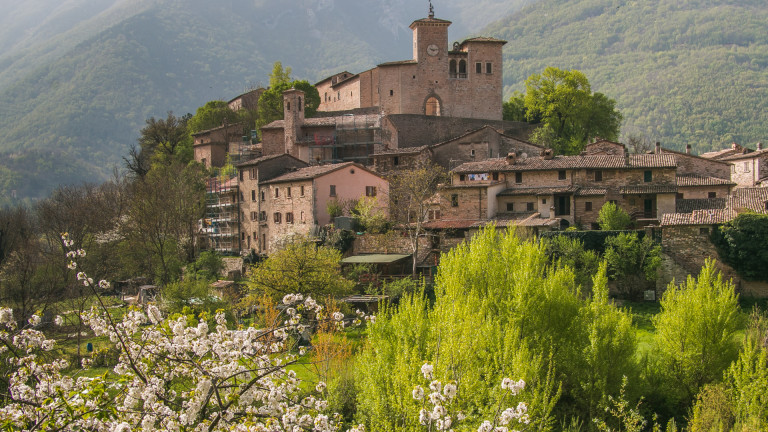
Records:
x=430, y=37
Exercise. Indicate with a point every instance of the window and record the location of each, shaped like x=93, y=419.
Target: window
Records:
x=561, y=175
x=288, y=192
x=462, y=68
x=543, y=200
x=301, y=215
x=277, y=217
x=391, y=92
x=454, y=200
x=704, y=231
x=462, y=177
x=679, y=195
x=370, y=191
x=452, y=69
x=241, y=196
x=529, y=206
x=263, y=195
x=472, y=153
x=333, y=190
x=648, y=176
x=242, y=236
x=488, y=67
x=289, y=218
x=277, y=192
x=711, y=194
x=396, y=161
x=264, y=241
x=299, y=106
x=241, y=175
x=518, y=177
x=253, y=195
x=495, y=176
x=203, y=162
x=733, y=167
x=510, y=207
x=253, y=215
x=478, y=67
x=746, y=166
x=301, y=191
x=588, y=206
x=262, y=216
x=598, y=176
x=433, y=215
x=255, y=237
x=288, y=106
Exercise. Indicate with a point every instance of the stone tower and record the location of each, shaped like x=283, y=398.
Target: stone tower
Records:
x=293, y=113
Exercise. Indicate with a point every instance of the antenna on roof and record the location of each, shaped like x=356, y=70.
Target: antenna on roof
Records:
x=431, y=10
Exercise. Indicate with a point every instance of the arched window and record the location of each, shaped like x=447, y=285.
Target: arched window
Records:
x=299, y=103
x=462, y=68
x=452, y=69
x=433, y=107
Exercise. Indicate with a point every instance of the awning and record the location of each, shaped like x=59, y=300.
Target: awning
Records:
x=374, y=259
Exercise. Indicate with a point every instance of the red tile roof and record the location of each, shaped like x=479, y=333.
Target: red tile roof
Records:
x=698, y=217
x=315, y=171
x=691, y=204
x=691, y=180
x=569, y=162
x=749, y=198
x=647, y=189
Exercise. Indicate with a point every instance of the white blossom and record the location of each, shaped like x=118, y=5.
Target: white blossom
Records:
x=426, y=370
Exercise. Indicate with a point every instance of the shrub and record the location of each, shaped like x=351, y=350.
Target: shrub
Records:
x=613, y=217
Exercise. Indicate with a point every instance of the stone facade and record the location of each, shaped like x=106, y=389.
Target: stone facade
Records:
x=251, y=174
x=463, y=80
x=750, y=169
x=296, y=203
x=211, y=146
x=248, y=100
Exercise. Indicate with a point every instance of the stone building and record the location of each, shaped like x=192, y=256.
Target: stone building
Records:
x=296, y=203
x=251, y=174
x=212, y=146
x=571, y=189
x=459, y=80
x=248, y=100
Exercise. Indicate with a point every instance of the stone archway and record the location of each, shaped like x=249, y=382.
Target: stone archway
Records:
x=432, y=105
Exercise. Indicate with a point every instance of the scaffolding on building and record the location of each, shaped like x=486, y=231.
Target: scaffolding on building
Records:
x=221, y=224
x=355, y=139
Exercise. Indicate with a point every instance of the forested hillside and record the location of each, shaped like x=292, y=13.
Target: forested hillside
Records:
x=80, y=77
x=682, y=71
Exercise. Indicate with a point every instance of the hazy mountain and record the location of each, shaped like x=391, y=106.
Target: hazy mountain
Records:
x=682, y=71
x=79, y=77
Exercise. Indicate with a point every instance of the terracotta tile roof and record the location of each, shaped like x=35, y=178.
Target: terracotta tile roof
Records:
x=312, y=172
x=404, y=150
x=484, y=39
x=684, y=154
x=647, y=189
x=203, y=132
x=749, y=198
x=689, y=205
x=590, y=192
x=431, y=21
x=397, y=63
x=690, y=180
x=258, y=160
x=450, y=224
x=749, y=155
x=537, y=191
x=569, y=162
x=519, y=219
x=698, y=217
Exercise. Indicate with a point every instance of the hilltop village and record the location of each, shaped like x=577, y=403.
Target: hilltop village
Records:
x=444, y=106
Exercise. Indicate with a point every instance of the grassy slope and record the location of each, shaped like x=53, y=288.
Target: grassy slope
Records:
x=683, y=72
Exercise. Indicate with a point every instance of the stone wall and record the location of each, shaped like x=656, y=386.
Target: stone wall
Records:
x=390, y=243
x=410, y=130
x=701, y=192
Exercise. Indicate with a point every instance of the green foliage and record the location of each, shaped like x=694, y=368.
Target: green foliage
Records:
x=207, y=266
x=300, y=267
x=747, y=377
x=211, y=115
x=743, y=244
x=396, y=288
x=334, y=208
x=632, y=261
x=570, y=113
x=279, y=75
x=712, y=411
x=190, y=296
x=570, y=252
x=612, y=217
x=668, y=78
x=500, y=310
x=695, y=331
x=371, y=215
x=514, y=109
x=592, y=240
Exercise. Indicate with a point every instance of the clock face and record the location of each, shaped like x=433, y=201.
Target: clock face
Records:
x=433, y=50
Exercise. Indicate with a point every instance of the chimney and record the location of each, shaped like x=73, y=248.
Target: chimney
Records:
x=688, y=149
x=551, y=212
x=759, y=146
x=511, y=158
x=547, y=154
x=626, y=154
x=658, y=147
